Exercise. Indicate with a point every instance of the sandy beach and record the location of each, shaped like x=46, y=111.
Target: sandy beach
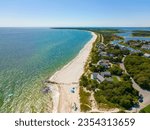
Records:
x=65, y=89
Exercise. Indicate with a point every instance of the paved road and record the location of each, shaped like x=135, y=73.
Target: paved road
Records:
x=145, y=93
x=102, y=38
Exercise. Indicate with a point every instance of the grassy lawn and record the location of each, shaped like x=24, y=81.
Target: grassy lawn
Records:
x=115, y=79
x=145, y=110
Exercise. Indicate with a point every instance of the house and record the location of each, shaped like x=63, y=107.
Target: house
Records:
x=103, y=53
x=134, y=51
x=104, y=63
x=106, y=74
x=100, y=78
x=136, y=44
x=146, y=47
x=94, y=76
x=100, y=46
x=97, y=76
x=110, y=55
x=123, y=48
x=147, y=55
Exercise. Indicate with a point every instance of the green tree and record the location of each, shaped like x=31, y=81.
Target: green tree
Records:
x=125, y=77
x=139, y=68
x=83, y=81
x=125, y=103
x=116, y=70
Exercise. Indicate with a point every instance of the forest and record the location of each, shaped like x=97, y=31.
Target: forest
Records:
x=139, y=68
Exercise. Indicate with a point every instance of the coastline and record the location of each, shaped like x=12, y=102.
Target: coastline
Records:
x=67, y=78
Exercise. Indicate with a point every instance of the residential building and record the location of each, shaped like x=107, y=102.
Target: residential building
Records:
x=98, y=77
x=106, y=74
x=146, y=46
x=104, y=63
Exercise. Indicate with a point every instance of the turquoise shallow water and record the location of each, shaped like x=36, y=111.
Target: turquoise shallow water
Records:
x=27, y=57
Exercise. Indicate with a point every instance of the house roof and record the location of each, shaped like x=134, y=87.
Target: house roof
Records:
x=146, y=46
x=100, y=78
x=106, y=73
x=94, y=75
x=103, y=61
x=97, y=76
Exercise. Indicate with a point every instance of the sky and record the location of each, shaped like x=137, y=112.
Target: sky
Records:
x=74, y=13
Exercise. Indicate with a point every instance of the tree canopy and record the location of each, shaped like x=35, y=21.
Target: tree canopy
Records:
x=139, y=68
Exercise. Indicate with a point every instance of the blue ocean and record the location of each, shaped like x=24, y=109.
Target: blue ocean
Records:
x=28, y=56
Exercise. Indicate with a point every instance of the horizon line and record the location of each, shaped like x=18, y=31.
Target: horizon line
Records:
x=72, y=26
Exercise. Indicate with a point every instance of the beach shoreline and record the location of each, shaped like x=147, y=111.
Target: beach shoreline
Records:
x=64, y=83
